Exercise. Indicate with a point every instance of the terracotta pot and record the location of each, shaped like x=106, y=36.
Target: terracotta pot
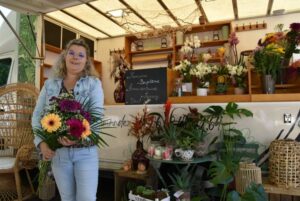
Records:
x=239, y=91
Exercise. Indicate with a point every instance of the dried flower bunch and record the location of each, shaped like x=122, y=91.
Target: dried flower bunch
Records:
x=142, y=125
x=120, y=66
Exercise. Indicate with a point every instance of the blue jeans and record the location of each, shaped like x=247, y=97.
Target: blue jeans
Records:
x=76, y=173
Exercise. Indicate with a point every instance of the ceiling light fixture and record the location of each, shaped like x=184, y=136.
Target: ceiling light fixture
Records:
x=117, y=13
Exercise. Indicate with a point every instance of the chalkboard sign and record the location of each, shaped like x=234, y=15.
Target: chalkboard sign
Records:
x=146, y=86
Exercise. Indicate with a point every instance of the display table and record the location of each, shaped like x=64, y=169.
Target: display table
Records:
x=156, y=163
x=121, y=177
x=274, y=189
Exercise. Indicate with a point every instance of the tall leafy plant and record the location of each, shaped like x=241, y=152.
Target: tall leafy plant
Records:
x=222, y=171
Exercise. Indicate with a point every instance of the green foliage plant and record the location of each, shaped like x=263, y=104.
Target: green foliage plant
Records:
x=183, y=179
x=254, y=192
x=222, y=170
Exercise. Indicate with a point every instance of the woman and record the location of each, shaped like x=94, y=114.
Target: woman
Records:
x=75, y=166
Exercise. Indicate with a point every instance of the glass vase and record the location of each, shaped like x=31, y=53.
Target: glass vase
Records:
x=268, y=84
x=139, y=156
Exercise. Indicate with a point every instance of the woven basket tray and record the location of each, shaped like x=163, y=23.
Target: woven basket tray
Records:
x=284, y=163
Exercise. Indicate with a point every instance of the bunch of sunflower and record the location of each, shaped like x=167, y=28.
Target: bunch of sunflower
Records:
x=66, y=117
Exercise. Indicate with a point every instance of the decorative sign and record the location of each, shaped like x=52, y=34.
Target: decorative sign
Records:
x=146, y=86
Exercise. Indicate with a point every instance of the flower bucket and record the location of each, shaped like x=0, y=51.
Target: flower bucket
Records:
x=202, y=91
x=187, y=87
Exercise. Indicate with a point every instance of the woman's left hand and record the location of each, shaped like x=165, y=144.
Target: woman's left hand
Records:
x=65, y=141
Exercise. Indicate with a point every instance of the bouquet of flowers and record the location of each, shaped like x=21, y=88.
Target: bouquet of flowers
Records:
x=238, y=74
x=275, y=48
x=66, y=117
x=203, y=72
x=184, y=68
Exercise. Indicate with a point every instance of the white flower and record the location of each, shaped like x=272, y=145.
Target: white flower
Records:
x=186, y=49
x=206, y=57
x=237, y=70
x=201, y=70
x=183, y=66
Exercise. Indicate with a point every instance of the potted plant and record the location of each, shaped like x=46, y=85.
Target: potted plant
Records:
x=238, y=73
x=202, y=72
x=184, y=69
x=182, y=182
x=166, y=125
x=185, y=151
x=267, y=61
x=141, y=126
x=254, y=192
x=197, y=135
x=221, y=81
x=222, y=170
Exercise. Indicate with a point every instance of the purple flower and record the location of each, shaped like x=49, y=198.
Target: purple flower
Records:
x=69, y=105
x=233, y=39
x=86, y=115
x=295, y=27
x=75, y=127
x=53, y=98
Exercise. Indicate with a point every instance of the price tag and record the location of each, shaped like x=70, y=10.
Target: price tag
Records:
x=177, y=194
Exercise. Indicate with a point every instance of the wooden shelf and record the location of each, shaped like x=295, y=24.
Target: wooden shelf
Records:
x=236, y=98
x=275, y=97
x=211, y=99
x=152, y=58
x=152, y=51
x=211, y=60
x=209, y=27
x=208, y=43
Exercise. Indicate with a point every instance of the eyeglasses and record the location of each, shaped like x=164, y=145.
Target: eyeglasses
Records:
x=80, y=55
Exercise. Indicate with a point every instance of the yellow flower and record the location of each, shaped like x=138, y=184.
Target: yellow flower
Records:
x=87, y=130
x=51, y=122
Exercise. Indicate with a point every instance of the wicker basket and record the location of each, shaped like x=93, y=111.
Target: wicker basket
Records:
x=284, y=163
x=47, y=190
x=246, y=174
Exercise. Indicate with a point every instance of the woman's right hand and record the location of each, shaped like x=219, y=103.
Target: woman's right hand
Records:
x=48, y=153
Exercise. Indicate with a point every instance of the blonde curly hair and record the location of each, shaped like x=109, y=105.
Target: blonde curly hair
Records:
x=60, y=69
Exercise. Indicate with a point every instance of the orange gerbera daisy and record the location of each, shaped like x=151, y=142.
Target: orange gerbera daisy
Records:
x=51, y=122
x=86, y=129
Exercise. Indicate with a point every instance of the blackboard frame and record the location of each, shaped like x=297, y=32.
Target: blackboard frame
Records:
x=146, y=86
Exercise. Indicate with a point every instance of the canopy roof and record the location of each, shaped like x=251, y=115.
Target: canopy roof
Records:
x=96, y=18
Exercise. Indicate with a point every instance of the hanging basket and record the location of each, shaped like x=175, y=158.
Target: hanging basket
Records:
x=246, y=174
x=284, y=163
